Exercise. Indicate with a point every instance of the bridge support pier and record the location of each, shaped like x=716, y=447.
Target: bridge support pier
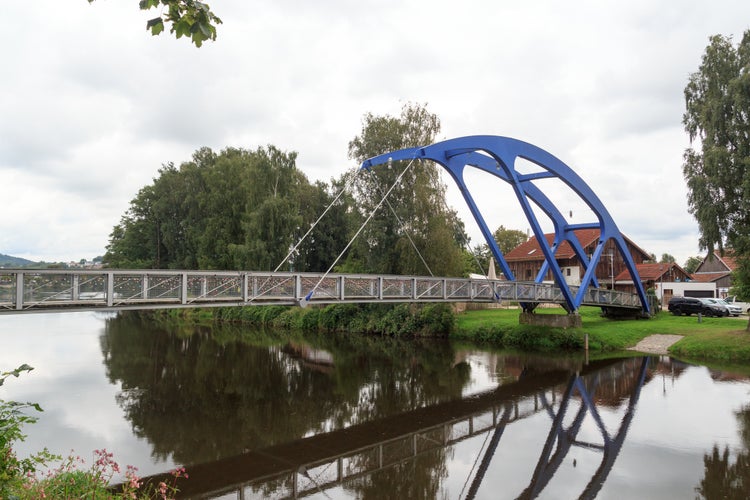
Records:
x=572, y=320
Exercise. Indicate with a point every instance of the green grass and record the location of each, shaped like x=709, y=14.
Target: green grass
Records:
x=720, y=339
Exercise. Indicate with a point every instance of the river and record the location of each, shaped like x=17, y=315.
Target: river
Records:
x=273, y=415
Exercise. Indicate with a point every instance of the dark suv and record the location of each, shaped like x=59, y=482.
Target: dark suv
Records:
x=691, y=305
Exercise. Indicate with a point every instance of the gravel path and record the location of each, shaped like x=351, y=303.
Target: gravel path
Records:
x=656, y=344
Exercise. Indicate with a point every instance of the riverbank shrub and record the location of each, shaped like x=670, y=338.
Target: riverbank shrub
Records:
x=408, y=320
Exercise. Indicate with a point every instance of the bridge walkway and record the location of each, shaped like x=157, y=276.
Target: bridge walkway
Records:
x=25, y=290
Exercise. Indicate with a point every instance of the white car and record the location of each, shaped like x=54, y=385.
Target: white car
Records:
x=731, y=308
x=744, y=306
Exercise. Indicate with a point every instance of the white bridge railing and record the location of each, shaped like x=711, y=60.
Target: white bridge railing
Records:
x=24, y=290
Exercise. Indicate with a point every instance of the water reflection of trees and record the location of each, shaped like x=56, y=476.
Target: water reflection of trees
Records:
x=220, y=392
x=723, y=478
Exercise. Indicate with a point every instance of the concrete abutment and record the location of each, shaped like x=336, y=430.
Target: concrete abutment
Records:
x=551, y=320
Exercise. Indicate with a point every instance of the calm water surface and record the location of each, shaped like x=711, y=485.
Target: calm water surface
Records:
x=266, y=415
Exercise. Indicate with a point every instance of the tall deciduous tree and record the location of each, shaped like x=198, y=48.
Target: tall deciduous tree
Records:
x=667, y=259
x=508, y=239
x=717, y=119
x=238, y=209
x=189, y=18
x=415, y=211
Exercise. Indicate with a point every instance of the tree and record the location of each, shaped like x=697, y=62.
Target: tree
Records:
x=186, y=17
x=667, y=259
x=415, y=215
x=508, y=239
x=717, y=119
x=238, y=209
x=692, y=263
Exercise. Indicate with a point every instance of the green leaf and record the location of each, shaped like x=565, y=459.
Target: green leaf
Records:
x=180, y=28
x=156, y=26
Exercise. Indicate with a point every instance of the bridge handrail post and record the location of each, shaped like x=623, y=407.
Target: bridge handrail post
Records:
x=184, y=288
x=298, y=287
x=244, y=287
x=144, y=287
x=110, y=289
x=341, y=287
x=19, y=290
x=414, y=295
x=76, y=282
x=380, y=288
x=445, y=288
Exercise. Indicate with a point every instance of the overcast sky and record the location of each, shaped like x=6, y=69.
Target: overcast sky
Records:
x=91, y=105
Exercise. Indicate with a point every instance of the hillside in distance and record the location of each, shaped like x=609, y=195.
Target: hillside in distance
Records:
x=10, y=261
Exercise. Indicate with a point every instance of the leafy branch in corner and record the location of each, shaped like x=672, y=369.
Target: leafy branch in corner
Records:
x=188, y=18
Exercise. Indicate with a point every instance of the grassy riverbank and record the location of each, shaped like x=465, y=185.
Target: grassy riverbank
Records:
x=720, y=339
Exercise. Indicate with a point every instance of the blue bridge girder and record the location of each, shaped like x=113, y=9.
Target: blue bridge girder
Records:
x=497, y=156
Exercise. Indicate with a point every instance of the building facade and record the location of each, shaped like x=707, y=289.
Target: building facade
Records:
x=526, y=260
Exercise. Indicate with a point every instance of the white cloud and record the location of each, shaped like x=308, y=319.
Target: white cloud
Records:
x=92, y=105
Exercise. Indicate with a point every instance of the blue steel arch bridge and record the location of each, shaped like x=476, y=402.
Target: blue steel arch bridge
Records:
x=25, y=290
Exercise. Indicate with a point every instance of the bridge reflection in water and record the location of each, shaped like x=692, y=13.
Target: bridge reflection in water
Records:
x=314, y=464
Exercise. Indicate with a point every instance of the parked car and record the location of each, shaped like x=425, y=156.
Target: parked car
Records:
x=691, y=305
x=732, y=309
x=745, y=306
x=723, y=306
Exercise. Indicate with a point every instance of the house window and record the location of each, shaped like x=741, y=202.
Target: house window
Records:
x=567, y=272
x=528, y=274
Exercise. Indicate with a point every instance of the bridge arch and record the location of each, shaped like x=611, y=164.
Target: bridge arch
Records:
x=497, y=156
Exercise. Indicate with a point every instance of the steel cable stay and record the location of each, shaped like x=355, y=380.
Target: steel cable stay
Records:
x=401, y=223
x=346, y=187
x=307, y=297
x=480, y=453
x=341, y=192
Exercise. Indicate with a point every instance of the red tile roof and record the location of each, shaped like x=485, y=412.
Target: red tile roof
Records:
x=709, y=277
x=530, y=249
x=728, y=259
x=649, y=272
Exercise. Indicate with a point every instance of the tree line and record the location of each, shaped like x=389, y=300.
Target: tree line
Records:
x=248, y=209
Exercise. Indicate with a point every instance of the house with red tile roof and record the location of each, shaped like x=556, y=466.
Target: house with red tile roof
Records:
x=667, y=280
x=526, y=260
x=717, y=268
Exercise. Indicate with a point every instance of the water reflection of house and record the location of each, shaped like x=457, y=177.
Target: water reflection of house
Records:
x=315, y=359
x=616, y=384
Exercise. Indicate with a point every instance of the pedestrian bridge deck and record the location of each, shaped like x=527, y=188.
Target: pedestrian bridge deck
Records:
x=26, y=290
